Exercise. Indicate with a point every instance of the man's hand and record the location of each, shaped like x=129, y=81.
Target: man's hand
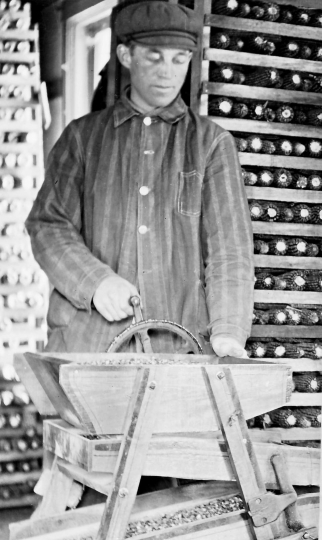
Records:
x=112, y=298
x=227, y=346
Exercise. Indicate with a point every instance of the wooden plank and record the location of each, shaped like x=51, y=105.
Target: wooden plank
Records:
x=285, y=331
x=18, y=478
x=19, y=80
x=267, y=128
x=287, y=297
x=17, y=57
x=298, y=364
x=260, y=60
x=100, y=482
x=277, y=194
x=313, y=4
x=25, y=500
x=287, y=262
x=19, y=147
x=184, y=403
x=300, y=399
x=263, y=27
x=293, y=229
x=261, y=93
x=19, y=35
x=289, y=162
x=17, y=125
x=57, y=493
x=291, y=434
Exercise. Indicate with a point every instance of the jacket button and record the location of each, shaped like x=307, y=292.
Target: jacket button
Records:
x=143, y=229
x=147, y=121
x=144, y=190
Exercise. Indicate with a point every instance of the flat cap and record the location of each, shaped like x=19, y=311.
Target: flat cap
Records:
x=158, y=23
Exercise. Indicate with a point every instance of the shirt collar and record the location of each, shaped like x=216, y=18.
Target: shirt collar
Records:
x=124, y=110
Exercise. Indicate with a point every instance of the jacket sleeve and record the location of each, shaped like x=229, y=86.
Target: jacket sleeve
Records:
x=55, y=225
x=227, y=243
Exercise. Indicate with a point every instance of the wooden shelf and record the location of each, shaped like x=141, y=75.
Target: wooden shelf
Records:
x=262, y=60
x=287, y=162
x=261, y=93
x=287, y=297
x=291, y=434
x=294, y=229
x=18, y=477
x=18, y=80
x=264, y=27
x=20, y=409
x=18, y=193
x=287, y=262
x=14, y=15
x=25, y=312
x=36, y=334
x=18, y=103
x=25, y=500
x=19, y=148
x=299, y=399
x=31, y=264
x=280, y=194
x=11, y=433
x=13, y=217
x=286, y=331
x=268, y=128
x=33, y=287
x=297, y=364
x=19, y=126
x=13, y=57
x=19, y=35
x=21, y=456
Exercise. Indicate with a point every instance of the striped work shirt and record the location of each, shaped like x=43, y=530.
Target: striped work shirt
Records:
x=158, y=200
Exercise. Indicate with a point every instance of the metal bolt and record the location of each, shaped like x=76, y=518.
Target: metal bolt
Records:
x=306, y=536
x=264, y=520
x=258, y=501
x=152, y=385
x=123, y=492
x=220, y=375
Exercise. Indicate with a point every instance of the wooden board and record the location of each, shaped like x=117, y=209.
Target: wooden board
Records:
x=287, y=297
x=287, y=195
x=261, y=93
x=288, y=162
x=69, y=526
x=288, y=262
x=293, y=229
x=286, y=331
x=267, y=128
x=101, y=395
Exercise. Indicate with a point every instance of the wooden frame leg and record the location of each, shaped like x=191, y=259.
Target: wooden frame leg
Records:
x=132, y=456
x=227, y=408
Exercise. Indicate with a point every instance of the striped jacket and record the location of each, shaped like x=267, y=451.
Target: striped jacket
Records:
x=185, y=239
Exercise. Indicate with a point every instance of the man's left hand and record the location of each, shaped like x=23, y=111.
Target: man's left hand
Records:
x=227, y=346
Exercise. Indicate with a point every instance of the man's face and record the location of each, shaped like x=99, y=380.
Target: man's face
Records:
x=157, y=75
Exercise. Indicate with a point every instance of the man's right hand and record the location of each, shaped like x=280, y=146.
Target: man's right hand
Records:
x=112, y=298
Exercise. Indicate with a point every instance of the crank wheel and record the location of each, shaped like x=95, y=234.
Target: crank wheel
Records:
x=144, y=326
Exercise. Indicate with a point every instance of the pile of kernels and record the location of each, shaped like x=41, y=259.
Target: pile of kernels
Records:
x=202, y=511
x=150, y=361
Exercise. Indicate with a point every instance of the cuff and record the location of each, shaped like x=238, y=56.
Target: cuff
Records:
x=88, y=286
x=229, y=330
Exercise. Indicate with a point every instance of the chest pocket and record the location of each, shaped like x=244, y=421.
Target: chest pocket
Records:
x=189, y=194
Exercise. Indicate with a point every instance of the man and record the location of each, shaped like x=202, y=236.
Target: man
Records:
x=146, y=198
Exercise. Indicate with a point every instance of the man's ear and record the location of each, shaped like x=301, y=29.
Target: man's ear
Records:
x=124, y=55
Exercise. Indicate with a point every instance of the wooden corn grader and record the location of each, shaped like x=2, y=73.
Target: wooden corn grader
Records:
x=118, y=416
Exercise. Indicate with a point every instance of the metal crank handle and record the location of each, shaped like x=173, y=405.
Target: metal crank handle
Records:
x=136, y=304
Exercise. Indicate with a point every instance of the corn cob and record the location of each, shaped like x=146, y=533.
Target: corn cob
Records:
x=271, y=12
x=286, y=16
x=236, y=43
x=242, y=144
x=279, y=283
x=225, y=74
x=292, y=81
x=276, y=316
x=313, y=414
x=238, y=77
x=268, y=147
x=243, y=10
x=224, y=7
x=257, y=12
x=220, y=40
x=302, y=421
x=275, y=350
x=262, y=317
x=256, y=111
x=284, y=147
x=261, y=45
x=264, y=280
x=311, y=350
x=307, y=85
x=287, y=214
x=300, y=116
x=250, y=178
x=285, y=114
x=293, y=317
x=314, y=117
x=265, y=178
x=256, y=210
x=283, y=418
x=261, y=247
x=317, y=54
x=316, y=20
x=278, y=246
x=302, y=213
x=299, y=181
x=293, y=350
x=295, y=280
x=297, y=247
x=221, y=106
x=314, y=181
x=299, y=149
x=258, y=349
x=269, y=114
x=271, y=212
x=302, y=17
x=240, y=110
x=283, y=178
x=255, y=143
x=314, y=280
x=269, y=47
x=315, y=148
x=306, y=382
x=263, y=421
x=316, y=83
x=263, y=77
x=305, y=52
x=317, y=214
x=312, y=250
x=290, y=49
